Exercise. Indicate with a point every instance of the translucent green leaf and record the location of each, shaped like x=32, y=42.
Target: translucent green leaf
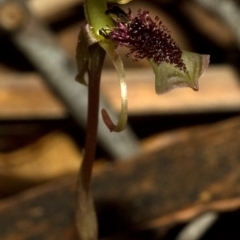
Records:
x=168, y=76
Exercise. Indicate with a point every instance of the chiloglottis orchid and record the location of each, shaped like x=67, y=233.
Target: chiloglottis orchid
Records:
x=146, y=38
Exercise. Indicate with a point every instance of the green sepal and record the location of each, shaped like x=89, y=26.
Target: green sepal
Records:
x=109, y=47
x=85, y=39
x=168, y=76
x=96, y=16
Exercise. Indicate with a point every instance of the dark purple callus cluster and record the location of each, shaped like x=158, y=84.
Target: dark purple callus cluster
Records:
x=146, y=38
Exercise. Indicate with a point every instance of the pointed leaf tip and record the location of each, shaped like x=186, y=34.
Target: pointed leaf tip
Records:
x=168, y=76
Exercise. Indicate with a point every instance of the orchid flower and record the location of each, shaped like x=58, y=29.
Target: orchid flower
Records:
x=146, y=38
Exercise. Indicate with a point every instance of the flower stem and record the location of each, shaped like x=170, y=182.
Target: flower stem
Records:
x=85, y=214
x=94, y=73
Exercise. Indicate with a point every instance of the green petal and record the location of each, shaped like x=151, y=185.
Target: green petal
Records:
x=117, y=62
x=85, y=39
x=168, y=76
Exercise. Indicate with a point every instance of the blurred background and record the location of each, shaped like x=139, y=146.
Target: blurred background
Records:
x=172, y=174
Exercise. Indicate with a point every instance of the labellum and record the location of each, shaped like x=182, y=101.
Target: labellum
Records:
x=150, y=39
